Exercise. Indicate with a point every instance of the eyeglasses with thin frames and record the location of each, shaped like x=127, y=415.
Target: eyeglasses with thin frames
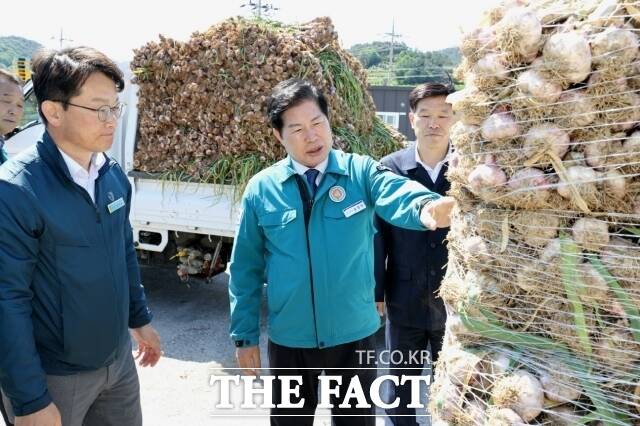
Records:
x=105, y=112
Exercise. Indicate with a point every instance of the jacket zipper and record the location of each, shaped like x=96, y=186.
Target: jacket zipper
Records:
x=86, y=196
x=95, y=205
x=88, y=199
x=313, y=297
x=307, y=203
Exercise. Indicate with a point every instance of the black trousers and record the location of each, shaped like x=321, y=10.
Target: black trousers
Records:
x=410, y=342
x=310, y=363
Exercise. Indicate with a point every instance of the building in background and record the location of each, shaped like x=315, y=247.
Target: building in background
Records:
x=22, y=68
x=392, y=106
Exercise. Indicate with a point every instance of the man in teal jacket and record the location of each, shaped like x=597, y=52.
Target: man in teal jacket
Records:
x=70, y=287
x=307, y=230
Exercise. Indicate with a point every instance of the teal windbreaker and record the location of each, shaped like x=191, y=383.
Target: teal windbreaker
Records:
x=320, y=279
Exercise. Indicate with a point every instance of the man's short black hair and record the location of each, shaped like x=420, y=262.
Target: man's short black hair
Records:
x=428, y=90
x=290, y=93
x=59, y=75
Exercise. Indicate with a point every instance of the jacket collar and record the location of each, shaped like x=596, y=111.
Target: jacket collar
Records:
x=51, y=155
x=284, y=168
x=407, y=159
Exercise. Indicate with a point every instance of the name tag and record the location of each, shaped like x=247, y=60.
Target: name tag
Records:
x=116, y=205
x=354, y=208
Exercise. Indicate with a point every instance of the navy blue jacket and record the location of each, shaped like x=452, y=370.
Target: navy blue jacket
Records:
x=409, y=265
x=69, y=279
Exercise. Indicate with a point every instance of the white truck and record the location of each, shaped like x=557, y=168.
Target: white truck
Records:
x=194, y=222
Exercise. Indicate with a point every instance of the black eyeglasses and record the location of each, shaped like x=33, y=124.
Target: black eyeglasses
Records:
x=105, y=112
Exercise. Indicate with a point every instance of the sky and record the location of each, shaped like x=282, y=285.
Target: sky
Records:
x=118, y=26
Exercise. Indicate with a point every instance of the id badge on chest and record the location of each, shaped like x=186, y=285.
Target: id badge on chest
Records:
x=116, y=205
x=354, y=208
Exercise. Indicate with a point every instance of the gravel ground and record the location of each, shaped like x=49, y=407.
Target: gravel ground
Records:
x=193, y=324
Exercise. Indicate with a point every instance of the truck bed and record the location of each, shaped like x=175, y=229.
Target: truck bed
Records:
x=199, y=208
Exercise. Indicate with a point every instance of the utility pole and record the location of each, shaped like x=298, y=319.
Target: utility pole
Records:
x=393, y=36
x=258, y=7
x=61, y=38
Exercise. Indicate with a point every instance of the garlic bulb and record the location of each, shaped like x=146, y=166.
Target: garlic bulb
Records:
x=568, y=55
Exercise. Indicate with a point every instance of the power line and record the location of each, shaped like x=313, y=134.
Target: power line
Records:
x=407, y=77
x=381, y=49
x=381, y=70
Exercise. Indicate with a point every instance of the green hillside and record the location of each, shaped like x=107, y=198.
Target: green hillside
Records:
x=410, y=66
x=13, y=47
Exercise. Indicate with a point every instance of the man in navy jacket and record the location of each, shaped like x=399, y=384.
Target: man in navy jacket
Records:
x=70, y=286
x=410, y=264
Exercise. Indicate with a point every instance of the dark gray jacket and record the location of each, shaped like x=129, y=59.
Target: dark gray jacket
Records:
x=409, y=265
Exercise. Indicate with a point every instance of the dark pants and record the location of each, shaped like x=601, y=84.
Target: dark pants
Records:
x=311, y=362
x=408, y=341
x=109, y=396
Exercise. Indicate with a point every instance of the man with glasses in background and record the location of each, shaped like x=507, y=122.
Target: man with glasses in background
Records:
x=70, y=287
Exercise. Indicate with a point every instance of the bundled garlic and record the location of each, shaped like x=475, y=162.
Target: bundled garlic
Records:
x=478, y=42
x=500, y=126
x=582, y=178
x=616, y=45
x=559, y=384
x=470, y=104
x=486, y=177
x=492, y=66
x=519, y=35
x=568, y=55
x=574, y=109
x=615, y=183
x=545, y=138
x=528, y=179
x=590, y=234
x=533, y=83
x=520, y=391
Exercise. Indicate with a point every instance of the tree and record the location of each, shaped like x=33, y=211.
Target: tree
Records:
x=375, y=53
x=13, y=47
x=370, y=57
x=410, y=66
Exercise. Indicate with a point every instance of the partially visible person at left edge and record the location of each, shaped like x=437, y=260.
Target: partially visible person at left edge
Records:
x=70, y=285
x=11, y=107
x=11, y=110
